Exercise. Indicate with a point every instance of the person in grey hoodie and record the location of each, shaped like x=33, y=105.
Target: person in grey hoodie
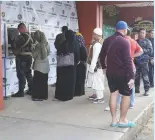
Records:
x=41, y=67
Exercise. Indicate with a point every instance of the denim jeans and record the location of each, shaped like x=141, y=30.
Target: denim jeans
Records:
x=132, y=98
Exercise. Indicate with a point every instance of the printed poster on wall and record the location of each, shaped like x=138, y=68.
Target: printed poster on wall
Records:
x=47, y=16
x=2, y=39
x=146, y=24
x=10, y=11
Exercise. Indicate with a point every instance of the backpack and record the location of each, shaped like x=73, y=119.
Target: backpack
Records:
x=19, y=45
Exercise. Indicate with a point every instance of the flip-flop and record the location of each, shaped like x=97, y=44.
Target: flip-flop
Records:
x=127, y=125
x=114, y=125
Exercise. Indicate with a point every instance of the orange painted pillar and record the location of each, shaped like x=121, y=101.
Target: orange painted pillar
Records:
x=1, y=81
x=89, y=17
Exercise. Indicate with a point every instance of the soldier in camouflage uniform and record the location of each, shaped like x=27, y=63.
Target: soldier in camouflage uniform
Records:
x=142, y=68
x=151, y=63
x=23, y=51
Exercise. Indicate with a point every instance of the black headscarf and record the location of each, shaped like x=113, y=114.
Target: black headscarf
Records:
x=70, y=36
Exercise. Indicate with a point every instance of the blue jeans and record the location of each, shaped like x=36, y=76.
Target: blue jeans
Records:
x=132, y=98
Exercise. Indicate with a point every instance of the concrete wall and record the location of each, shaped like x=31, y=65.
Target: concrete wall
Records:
x=90, y=17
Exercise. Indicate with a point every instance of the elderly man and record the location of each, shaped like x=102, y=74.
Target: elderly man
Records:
x=95, y=76
x=115, y=56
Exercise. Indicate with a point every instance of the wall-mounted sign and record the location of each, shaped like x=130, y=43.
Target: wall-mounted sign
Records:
x=148, y=25
x=138, y=19
x=110, y=10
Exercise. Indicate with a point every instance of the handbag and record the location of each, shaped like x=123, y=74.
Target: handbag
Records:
x=109, y=47
x=64, y=60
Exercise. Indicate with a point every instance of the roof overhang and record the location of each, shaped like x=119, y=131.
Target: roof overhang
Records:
x=128, y=3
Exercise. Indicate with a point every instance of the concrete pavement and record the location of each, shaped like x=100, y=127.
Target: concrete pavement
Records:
x=147, y=132
x=77, y=119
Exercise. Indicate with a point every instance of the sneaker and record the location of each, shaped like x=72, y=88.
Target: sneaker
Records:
x=18, y=94
x=92, y=97
x=108, y=108
x=99, y=101
x=54, y=99
x=131, y=107
x=35, y=99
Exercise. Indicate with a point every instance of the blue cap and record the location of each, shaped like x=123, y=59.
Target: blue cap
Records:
x=122, y=25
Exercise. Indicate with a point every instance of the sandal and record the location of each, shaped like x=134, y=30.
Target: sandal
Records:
x=114, y=125
x=127, y=125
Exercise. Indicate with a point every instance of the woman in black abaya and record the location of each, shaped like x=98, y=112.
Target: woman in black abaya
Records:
x=66, y=76
x=81, y=67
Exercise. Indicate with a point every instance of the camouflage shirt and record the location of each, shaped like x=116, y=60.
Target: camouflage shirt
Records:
x=20, y=41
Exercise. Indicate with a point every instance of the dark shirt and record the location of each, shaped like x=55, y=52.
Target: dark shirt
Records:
x=21, y=40
x=60, y=38
x=83, y=54
x=146, y=46
x=152, y=42
x=119, y=61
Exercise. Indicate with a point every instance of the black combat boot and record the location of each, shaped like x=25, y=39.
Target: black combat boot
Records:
x=18, y=94
x=146, y=93
x=29, y=92
x=137, y=90
x=152, y=85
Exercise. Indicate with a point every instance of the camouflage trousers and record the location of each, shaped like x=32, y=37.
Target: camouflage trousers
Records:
x=142, y=71
x=151, y=74
x=23, y=69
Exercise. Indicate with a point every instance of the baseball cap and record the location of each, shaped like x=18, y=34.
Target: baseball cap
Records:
x=121, y=25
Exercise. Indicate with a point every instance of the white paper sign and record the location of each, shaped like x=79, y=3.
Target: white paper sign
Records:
x=47, y=16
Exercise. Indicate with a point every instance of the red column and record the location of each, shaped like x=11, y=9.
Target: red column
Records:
x=89, y=17
x=1, y=81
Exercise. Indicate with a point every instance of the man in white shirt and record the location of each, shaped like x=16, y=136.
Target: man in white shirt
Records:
x=95, y=76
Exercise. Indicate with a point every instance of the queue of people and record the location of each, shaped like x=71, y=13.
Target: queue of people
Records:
x=121, y=58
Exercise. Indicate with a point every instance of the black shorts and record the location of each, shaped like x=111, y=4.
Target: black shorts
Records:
x=119, y=83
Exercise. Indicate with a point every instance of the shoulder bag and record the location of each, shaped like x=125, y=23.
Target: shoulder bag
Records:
x=64, y=60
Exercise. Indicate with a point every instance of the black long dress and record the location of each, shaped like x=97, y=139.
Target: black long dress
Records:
x=40, y=86
x=66, y=76
x=81, y=73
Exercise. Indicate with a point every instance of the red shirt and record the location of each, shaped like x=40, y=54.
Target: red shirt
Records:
x=134, y=46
